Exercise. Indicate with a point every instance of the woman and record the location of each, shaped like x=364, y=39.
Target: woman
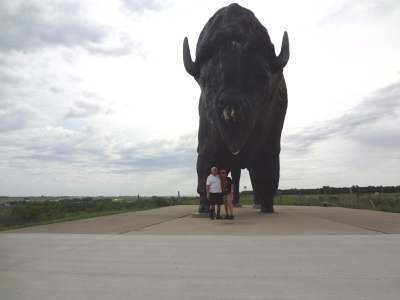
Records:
x=227, y=194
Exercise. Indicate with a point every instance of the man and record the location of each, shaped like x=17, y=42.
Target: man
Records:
x=214, y=192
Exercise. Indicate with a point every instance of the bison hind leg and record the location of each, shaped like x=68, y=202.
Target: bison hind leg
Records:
x=266, y=202
x=265, y=185
x=266, y=208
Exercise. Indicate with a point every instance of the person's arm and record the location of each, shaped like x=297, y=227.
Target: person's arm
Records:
x=208, y=191
x=232, y=189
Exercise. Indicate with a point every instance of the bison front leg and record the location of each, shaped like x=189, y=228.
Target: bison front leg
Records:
x=203, y=170
x=265, y=184
x=236, y=173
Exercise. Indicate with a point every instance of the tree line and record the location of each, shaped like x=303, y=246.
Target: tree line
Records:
x=355, y=189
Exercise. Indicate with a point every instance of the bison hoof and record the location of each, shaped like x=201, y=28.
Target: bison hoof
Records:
x=267, y=209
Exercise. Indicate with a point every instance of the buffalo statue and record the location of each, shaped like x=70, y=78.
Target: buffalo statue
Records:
x=242, y=104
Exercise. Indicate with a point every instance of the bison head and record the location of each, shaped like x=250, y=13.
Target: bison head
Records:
x=237, y=70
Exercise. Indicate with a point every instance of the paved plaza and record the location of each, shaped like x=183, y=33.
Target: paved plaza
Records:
x=173, y=253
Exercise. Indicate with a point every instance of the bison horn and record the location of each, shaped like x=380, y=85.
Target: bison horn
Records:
x=191, y=67
x=283, y=57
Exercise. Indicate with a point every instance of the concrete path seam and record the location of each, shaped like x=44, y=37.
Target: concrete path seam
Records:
x=165, y=221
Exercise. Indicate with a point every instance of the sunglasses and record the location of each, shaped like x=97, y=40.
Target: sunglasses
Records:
x=223, y=172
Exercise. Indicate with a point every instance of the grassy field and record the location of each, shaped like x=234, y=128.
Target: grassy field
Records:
x=30, y=211
x=16, y=212
x=389, y=202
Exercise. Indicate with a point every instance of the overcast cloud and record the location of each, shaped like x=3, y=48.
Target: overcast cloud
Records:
x=94, y=98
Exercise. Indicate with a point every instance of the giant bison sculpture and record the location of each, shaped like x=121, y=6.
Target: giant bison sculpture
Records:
x=242, y=104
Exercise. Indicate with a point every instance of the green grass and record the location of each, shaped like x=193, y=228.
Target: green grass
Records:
x=389, y=202
x=23, y=213
x=66, y=219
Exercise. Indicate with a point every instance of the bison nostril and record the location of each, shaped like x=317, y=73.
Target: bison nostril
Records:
x=228, y=114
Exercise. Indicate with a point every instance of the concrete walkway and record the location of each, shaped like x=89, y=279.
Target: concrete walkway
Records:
x=296, y=253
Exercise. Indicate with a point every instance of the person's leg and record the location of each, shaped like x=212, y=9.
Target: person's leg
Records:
x=225, y=199
x=219, y=203
x=212, y=203
x=230, y=207
x=211, y=212
x=218, y=211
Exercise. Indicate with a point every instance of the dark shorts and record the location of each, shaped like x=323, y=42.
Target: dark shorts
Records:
x=215, y=198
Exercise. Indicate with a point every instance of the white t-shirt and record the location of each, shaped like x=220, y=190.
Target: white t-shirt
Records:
x=215, y=184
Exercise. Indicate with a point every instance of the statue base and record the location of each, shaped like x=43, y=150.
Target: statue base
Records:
x=200, y=215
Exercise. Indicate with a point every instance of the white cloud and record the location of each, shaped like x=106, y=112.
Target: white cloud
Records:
x=141, y=6
x=94, y=98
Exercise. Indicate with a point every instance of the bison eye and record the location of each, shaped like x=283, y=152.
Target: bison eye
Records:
x=266, y=70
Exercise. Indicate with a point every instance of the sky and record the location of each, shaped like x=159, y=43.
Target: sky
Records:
x=95, y=100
